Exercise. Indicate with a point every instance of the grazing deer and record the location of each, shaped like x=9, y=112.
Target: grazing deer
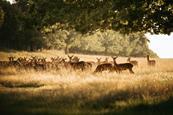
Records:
x=13, y=62
x=78, y=65
x=150, y=62
x=123, y=66
x=104, y=67
x=38, y=63
x=134, y=62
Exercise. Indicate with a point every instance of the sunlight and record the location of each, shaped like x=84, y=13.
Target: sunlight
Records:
x=161, y=44
x=11, y=1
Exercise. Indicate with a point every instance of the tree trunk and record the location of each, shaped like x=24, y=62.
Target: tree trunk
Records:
x=106, y=50
x=66, y=49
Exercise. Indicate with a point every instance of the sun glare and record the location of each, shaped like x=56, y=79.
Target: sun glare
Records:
x=161, y=44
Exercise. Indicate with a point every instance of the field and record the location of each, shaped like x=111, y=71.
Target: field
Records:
x=28, y=92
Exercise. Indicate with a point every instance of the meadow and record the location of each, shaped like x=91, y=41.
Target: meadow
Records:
x=29, y=92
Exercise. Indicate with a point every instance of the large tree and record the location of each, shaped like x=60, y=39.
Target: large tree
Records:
x=155, y=16
x=25, y=19
x=1, y=16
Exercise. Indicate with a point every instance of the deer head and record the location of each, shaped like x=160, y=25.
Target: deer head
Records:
x=98, y=60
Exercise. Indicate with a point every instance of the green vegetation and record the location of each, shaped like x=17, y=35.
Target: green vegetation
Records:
x=24, y=25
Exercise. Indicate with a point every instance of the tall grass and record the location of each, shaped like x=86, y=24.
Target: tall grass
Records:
x=149, y=90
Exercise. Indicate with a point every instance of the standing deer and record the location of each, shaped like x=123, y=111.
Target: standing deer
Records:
x=134, y=62
x=122, y=66
x=80, y=65
x=104, y=67
x=13, y=62
x=106, y=60
x=150, y=62
x=98, y=61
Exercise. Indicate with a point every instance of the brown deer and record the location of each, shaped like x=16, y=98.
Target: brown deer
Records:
x=150, y=62
x=11, y=58
x=13, y=62
x=123, y=66
x=106, y=60
x=134, y=62
x=104, y=67
x=98, y=61
x=78, y=65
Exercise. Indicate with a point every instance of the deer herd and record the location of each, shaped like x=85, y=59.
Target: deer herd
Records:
x=73, y=63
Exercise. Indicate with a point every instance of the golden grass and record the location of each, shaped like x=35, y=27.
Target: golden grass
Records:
x=84, y=89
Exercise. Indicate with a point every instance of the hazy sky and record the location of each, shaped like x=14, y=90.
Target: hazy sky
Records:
x=162, y=45
x=10, y=1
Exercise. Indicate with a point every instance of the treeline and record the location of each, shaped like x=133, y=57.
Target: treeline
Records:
x=17, y=30
x=108, y=42
x=83, y=26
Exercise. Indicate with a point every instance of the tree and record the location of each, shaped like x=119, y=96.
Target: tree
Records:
x=59, y=38
x=1, y=16
x=107, y=40
x=89, y=15
x=24, y=21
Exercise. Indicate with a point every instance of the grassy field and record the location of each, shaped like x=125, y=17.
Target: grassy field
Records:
x=28, y=92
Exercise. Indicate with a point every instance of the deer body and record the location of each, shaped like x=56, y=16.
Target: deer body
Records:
x=122, y=66
x=80, y=65
x=150, y=62
x=133, y=62
x=104, y=67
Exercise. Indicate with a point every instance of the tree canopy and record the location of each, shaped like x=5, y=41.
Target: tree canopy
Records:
x=155, y=16
x=27, y=22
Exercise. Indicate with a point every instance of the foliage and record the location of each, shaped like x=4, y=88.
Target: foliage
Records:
x=25, y=23
x=1, y=16
x=18, y=31
x=88, y=15
x=108, y=43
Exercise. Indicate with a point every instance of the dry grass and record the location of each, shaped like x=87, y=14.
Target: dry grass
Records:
x=64, y=91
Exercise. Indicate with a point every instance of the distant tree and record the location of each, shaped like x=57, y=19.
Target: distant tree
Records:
x=107, y=40
x=59, y=38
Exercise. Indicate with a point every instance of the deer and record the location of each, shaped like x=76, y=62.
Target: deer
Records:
x=123, y=66
x=13, y=62
x=38, y=63
x=150, y=62
x=106, y=60
x=104, y=67
x=98, y=61
x=80, y=65
x=133, y=62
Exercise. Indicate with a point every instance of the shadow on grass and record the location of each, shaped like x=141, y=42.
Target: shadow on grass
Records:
x=21, y=85
x=13, y=104
x=162, y=108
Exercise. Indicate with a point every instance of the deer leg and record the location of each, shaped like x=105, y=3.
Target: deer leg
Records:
x=131, y=71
